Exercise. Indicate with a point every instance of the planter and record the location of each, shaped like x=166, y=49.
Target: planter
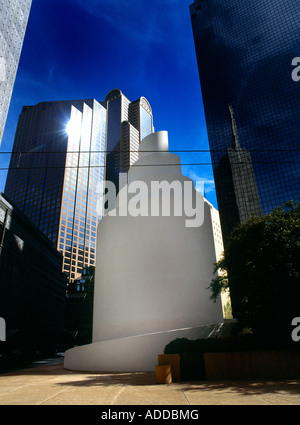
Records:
x=192, y=367
x=265, y=364
x=174, y=361
x=163, y=374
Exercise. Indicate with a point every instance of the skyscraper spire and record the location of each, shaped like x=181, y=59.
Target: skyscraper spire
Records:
x=235, y=138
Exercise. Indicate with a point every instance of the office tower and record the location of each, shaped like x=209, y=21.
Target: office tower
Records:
x=13, y=21
x=127, y=124
x=237, y=185
x=57, y=169
x=79, y=308
x=32, y=285
x=244, y=52
x=56, y=175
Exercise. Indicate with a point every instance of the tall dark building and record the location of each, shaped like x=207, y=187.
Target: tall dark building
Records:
x=237, y=185
x=32, y=285
x=79, y=308
x=56, y=173
x=58, y=167
x=244, y=51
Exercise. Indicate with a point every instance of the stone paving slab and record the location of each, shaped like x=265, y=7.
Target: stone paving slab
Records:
x=54, y=385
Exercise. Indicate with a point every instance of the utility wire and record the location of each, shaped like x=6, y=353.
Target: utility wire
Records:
x=142, y=165
x=148, y=151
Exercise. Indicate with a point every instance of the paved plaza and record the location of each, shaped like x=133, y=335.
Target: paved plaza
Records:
x=51, y=384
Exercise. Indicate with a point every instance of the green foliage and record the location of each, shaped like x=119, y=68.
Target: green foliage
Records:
x=237, y=342
x=228, y=311
x=182, y=345
x=262, y=265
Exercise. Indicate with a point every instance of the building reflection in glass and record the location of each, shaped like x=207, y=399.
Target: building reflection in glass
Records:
x=244, y=52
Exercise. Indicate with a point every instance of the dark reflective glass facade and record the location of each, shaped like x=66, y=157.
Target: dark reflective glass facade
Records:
x=114, y=123
x=244, y=52
x=32, y=285
x=146, y=123
x=57, y=169
x=56, y=175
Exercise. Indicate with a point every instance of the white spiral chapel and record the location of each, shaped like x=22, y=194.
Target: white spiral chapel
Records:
x=154, y=262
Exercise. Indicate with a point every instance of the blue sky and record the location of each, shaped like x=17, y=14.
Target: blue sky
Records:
x=75, y=49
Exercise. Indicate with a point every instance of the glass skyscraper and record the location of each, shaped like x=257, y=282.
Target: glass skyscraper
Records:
x=127, y=124
x=59, y=166
x=13, y=22
x=252, y=104
x=56, y=175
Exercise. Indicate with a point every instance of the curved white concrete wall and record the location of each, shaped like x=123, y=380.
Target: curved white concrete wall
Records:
x=153, y=277
x=155, y=142
x=132, y=354
x=152, y=273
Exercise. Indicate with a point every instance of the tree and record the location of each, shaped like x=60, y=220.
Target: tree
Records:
x=260, y=267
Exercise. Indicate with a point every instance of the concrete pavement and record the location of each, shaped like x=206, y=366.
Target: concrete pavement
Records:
x=54, y=385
